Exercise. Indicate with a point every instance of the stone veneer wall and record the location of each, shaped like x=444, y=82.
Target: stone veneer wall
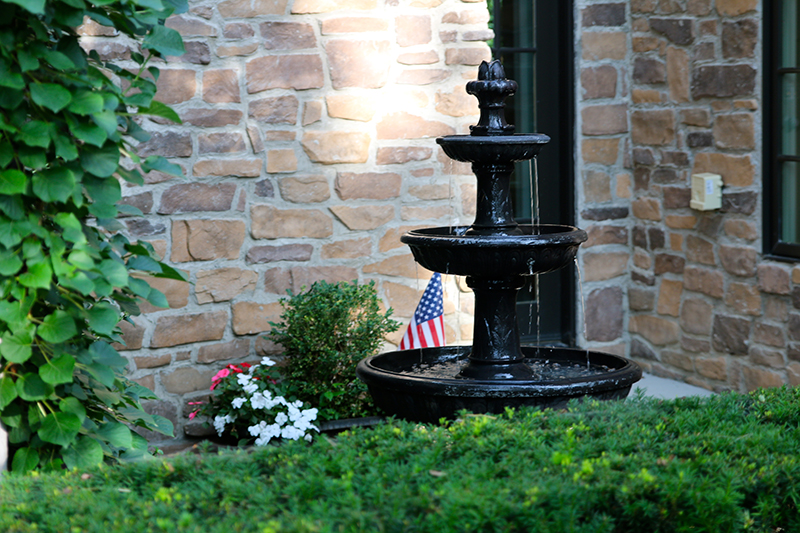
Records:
x=308, y=148
x=669, y=88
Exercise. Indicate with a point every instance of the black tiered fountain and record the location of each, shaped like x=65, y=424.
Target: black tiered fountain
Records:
x=495, y=253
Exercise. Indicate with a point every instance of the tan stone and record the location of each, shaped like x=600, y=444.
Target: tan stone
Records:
x=413, y=29
x=676, y=242
x=189, y=27
x=646, y=44
x=732, y=8
x=391, y=238
x=281, y=161
x=206, y=240
x=735, y=132
x=304, y=277
x=419, y=58
x=251, y=317
x=678, y=359
x=362, y=64
x=680, y=221
x=402, y=125
x=327, y=6
x=695, y=316
x=277, y=281
x=457, y=103
x=221, y=86
x=277, y=135
x=699, y=250
x=774, y=279
x=235, y=349
x=467, y=16
x=422, y=76
x=712, y=368
x=251, y=8
x=736, y=171
x=597, y=186
x=402, y=154
x=741, y=229
x=703, y=280
x=678, y=74
x=333, y=147
x=603, y=45
x=653, y=127
x=430, y=192
x=305, y=189
x=369, y=185
x=223, y=284
x=348, y=249
x=604, y=119
x=189, y=328
x=738, y=260
x=467, y=56
x=657, y=330
x=402, y=299
x=623, y=188
x=186, y=379
x=646, y=96
x=600, y=266
x=152, y=361
x=757, y=378
x=744, y=298
x=796, y=275
x=232, y=50
x=425, y=213
x=602, y=151
x=351, y=107
x=696, y=117
x=176, y=85
x=365, y=217
x=400, y=266
x=132, y=336
x=646, y=209
x=298, y=72
x=354, y=25
x=269, y=222
x=176, y=292
x=669, y=297
x=243, y=168
x=640, y=259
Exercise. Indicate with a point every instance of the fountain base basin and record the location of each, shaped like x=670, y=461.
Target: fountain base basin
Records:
x=421, y=385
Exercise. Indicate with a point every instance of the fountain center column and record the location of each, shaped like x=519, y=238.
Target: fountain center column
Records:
x=494, y=210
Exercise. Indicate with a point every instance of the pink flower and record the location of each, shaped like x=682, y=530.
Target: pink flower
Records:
x=219, y=376
x=235, y=369
x=193, y=413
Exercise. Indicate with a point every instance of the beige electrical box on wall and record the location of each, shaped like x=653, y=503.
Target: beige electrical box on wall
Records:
x=706, y=191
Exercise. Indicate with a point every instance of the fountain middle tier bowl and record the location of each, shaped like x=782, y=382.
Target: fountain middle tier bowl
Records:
x=420, y=385
x=493, y=149
x=535, y=249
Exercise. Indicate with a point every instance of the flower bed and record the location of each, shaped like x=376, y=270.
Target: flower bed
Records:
x=727, y=463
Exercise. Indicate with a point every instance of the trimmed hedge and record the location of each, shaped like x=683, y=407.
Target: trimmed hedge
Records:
x=723, y=464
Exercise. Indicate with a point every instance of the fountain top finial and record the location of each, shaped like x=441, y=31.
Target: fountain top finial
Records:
x=491, y=89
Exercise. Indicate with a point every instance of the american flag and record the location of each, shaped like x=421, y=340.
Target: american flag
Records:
x=427, y=324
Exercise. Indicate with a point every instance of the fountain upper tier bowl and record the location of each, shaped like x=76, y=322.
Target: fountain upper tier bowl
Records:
x=493, y=149
x=522, y=250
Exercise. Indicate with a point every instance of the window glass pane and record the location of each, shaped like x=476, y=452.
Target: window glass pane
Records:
x=789, y=114
x=789, y=47
x=790, y=200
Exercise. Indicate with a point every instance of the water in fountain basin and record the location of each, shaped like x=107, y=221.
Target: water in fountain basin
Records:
x=544, y=370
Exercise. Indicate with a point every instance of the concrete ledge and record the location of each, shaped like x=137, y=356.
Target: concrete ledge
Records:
x=667, y=389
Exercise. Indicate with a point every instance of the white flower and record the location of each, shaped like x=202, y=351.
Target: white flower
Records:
x=265, y=432
x=247, y=382
x=281, y=419
x=238, y=402
x=266, y=361
x=291, y=432
x=220, y=421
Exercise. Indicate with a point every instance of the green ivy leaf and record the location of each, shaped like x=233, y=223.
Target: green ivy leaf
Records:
x=9, y=79
x=144, y=263
x=58, y=370
x=27, y=458
x=162, y=110
x=85, y=452
x=27, y=61
x=157, y=298
x=8, y=391
x=57, y=327
x=38, y=276
x=35, y=133
x=65, y=149
x=73, y=231
x=116, y=434
x=6, y=152
x=59, y=60
x=54, y=184
x=101, y=162
x=78, y=281
x=12, y=182
x=9, y=98
x=103, y=318
x=107, y=120
x=17, y=347
x=105, y=354
x=165, y=41
x=10, y=263
x=86, y=103
x=115, y=273
x=59, y=428
x=31, y=388
x=53, y=97
x=88, y=133
x=35, y=158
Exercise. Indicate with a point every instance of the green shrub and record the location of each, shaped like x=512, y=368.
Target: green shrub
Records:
x=722, y=464
x=325, y=332
x=65, y=283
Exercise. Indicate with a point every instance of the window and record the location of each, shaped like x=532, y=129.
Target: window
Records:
x=534, y=40
x=782, y=128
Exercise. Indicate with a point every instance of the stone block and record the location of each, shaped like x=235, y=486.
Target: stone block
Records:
x=251, y=8
x=211, y=118
x=695, y=345
x=699, y=250
x=189, y=328
x=391, y=238
x=368, y=185
x=327, y=6
x=608, y=119
x=676, y=197
x=472, y=56
x=602, y=266
x=602, y=151
x=596, y=186
x=605, y=213
x=456, y=103
x=704, y=280
x=604, y=314
x=167, y=144
x=243, y=168
x=196, y=52
x=279, y=35
x=603, y=15
x=657, y=330
x=236, y=349
x=648, y=70
x=221, y=143
x=238, y=30
x=669, y=297
x=412, y=30
x=597, y=46
x=467, y=16
x=347, y=249
x=743, y=298
x=298, y=72
x=401, y=298
x=699, y=117
x=655, y=127
x=250, y=317
x=223, y=284
x=286, y=252
x=640, y=299
x=422, y=76
x=735, y=132
x=738, y=260
x=419, y=58
x=599, y=82
x=333, y=147
x=723, y=81
x=232, y=50
x=741, y=229
x=695, y=316
x=678, y=31
x=731, y=334
x=132, y=336
x=605, y=234
x=712, y=368
x=646, y=209
x=699, y=139
x=305, y=189
x=221, y=86
x=275, y=110
x=678, y=74
x=402, y=266
x=353, y=25
x=739, y=202
x=351, y=107
x=656, y=237
x=770, y=335
x=641, y=350
x=206, y=240
x=678, y=360
x=269, y=222
x=176, y=85
x=152, y=361
x=733, y=8
x=365, y=217
x=402, y=125
x=431, y=192
x=281, y=161
x=774, y=279
x=759, y=378
x=402, y=154
x=306, y=276
x=362, y=64
x=176, y=292
x=739, y=38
